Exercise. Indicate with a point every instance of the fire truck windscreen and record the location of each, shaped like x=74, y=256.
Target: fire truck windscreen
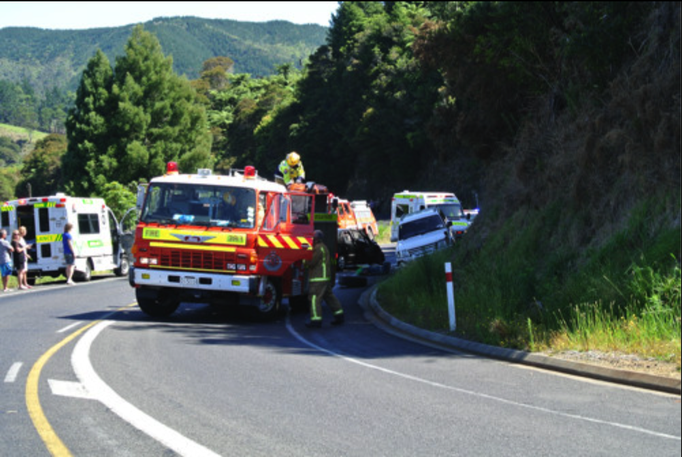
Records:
x=205, y=205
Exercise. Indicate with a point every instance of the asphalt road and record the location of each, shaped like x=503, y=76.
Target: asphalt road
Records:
x=85, y=374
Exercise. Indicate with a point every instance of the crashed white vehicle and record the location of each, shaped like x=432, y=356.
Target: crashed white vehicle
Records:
x=421, y=233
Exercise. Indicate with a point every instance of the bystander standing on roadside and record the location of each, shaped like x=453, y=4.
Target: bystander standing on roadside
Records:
x=69, y=253
x=5, y=259
x=20, y=259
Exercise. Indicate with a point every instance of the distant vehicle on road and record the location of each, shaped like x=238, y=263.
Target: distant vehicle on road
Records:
x=447, y=203
x=355, y=247
x=99, y=238
x=365, y=217
x=421, y=233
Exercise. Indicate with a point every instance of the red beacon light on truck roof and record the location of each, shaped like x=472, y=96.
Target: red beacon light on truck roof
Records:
x=249, y=172
x=172, y=168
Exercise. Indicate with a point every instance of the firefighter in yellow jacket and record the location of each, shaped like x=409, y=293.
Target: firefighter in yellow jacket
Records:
x=321, y=285
x=290, y=170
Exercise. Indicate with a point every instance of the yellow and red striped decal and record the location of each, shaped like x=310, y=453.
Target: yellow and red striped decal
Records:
x=284, y=242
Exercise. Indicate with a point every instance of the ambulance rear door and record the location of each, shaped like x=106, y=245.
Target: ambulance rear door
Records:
x=44, y=222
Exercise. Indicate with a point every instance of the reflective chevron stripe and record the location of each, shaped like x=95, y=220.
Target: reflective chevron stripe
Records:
x=284, y=242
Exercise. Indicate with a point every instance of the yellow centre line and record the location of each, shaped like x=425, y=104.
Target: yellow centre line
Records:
x=53, y=443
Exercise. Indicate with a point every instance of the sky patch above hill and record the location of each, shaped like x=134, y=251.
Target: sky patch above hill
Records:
x=88, y=15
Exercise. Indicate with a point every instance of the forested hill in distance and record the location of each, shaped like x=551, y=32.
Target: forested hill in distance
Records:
x=57, y=57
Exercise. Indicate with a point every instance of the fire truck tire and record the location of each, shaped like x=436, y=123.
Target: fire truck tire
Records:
x=84, y=276
x=268, y=307
x=122, y=270
x=161, y=307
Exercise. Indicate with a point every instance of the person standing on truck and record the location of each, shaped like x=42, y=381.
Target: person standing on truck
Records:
x=321, y=284
x=69, y=253
x=5, y=259
x=290, y=170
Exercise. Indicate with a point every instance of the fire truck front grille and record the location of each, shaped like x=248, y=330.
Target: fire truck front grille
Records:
x=196, y=260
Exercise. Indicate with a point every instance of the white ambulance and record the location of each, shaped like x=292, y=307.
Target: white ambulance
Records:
x=97, y=236
x=407, y=202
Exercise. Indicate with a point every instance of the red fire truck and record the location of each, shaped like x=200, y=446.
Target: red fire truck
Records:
x=227, y=240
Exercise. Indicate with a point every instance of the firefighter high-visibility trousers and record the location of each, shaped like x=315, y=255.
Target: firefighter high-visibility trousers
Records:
x=322, y=291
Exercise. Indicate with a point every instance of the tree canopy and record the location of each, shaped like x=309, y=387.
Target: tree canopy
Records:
x=129, y=120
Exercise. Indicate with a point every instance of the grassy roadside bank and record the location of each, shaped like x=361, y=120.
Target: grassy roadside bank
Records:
x=527, y=288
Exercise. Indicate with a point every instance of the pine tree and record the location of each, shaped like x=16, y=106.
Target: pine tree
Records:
x=158, y=117
x=87, y=126
x=127, y=123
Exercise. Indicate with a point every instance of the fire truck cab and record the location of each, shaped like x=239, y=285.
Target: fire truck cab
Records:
x=235, y=239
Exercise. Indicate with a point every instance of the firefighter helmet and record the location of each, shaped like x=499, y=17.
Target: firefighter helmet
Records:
x=293, y=159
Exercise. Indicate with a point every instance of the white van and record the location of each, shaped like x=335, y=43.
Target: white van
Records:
x=421, y=233
x=407, y=202
x=96, y=233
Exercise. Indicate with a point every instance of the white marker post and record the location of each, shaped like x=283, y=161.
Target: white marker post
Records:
x=451, y=296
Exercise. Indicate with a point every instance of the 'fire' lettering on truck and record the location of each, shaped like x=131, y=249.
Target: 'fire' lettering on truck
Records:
x=232, y=239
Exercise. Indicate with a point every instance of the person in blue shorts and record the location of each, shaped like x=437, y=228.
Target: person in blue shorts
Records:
x=6, y=265
x=69, y=253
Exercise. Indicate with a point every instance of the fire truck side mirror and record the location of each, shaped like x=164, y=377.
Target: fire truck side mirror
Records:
x=141, y=191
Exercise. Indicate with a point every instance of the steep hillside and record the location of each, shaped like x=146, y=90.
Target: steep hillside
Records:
x=578, y=243
x=600, y=159
x=46, y=56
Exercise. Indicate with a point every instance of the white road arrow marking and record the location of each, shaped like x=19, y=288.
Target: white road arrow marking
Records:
x=69, y=389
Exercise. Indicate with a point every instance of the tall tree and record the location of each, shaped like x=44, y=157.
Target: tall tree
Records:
x=127, y=123
x=158, y=116
x=87, y=125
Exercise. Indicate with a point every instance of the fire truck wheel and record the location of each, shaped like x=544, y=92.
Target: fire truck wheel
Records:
x=162, y=307
x=268, y=307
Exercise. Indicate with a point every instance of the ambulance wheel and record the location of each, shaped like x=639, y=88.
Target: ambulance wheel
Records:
x=269, y=304
x=163, y=306
x=31, y=280
x=122, y=270
x=86, y=275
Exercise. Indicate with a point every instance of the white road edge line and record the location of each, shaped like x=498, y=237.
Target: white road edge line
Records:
x=80, y=360
x=13, y=372
x=69, y=327
x=476, y=394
